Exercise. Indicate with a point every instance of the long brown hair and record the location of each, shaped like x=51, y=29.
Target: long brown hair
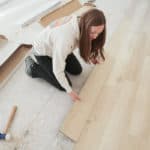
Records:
x=93, y=17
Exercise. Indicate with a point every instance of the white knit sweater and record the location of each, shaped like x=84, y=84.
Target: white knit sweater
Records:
x=58, y=40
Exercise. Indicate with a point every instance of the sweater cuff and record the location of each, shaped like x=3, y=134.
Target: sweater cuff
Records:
x=69, y=89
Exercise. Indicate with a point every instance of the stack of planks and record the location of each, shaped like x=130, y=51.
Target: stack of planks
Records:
x=114, y=110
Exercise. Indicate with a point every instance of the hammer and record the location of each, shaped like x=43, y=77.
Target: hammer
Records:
x=4, y=135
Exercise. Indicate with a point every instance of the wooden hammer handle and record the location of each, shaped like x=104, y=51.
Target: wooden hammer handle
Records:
x=11, y=117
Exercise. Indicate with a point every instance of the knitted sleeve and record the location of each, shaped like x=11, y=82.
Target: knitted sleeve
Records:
x=60, y=52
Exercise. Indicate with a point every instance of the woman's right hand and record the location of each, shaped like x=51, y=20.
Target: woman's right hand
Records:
x=74, y=96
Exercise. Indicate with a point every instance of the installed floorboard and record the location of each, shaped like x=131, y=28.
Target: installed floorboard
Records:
x=76, y=119
x=114, y=100
x=122, y=120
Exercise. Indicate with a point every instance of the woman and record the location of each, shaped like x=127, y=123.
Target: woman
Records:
x=53, y=50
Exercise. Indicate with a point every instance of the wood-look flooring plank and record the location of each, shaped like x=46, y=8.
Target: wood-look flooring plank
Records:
x=108, y=120
x=127, y=127
x=140, y=122
x=8, y=67
x=65, y=10
x=127, y=49
x=77, y=117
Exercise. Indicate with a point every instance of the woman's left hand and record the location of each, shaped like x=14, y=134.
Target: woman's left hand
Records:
x=95, y=61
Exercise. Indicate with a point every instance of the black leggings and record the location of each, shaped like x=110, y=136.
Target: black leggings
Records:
x=45, y=69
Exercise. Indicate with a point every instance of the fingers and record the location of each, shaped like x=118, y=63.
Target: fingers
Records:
x=74, y=96
x=77, y=98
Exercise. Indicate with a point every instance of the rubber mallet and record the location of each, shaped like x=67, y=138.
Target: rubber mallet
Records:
x=4, y=135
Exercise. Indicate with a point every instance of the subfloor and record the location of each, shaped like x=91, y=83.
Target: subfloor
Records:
x=41, y=107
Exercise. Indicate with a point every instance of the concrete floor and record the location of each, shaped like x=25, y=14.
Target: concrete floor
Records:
x=41, y=107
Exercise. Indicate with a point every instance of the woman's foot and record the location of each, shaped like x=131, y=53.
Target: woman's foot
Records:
x=31, y=66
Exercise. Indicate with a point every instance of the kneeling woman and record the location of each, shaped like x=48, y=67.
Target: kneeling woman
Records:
x=53, y=49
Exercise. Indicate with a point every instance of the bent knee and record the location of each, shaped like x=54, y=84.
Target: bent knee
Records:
x=77, y=71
